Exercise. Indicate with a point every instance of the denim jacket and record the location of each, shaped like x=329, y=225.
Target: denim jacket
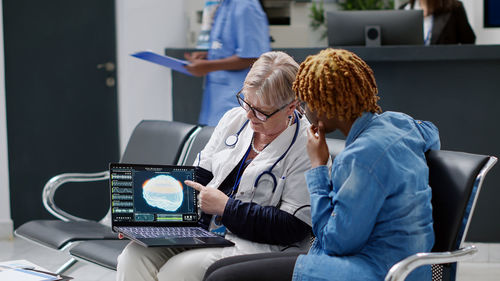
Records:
x=375, y=208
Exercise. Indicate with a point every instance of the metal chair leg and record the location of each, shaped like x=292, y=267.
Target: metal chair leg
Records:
x=66, y=266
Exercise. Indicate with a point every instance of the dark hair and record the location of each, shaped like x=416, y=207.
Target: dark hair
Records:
x=437, y=6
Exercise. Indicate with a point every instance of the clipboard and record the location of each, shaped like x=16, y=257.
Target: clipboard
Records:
x=170, y=62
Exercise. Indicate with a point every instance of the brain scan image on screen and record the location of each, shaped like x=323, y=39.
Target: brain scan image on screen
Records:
x=164, y=192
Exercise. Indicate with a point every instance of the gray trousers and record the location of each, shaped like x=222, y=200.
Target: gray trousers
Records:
x=140, y=263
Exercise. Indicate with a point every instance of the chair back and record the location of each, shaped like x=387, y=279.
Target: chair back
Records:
x=157, y=142
x=455, y=179
x=197, y=144
x=335, y=146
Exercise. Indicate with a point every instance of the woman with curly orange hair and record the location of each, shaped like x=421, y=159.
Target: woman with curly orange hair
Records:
x=372, y=208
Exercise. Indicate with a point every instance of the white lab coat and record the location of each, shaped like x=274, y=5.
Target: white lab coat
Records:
x=291, y=191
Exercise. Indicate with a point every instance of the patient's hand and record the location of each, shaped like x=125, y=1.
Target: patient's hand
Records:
x=316, y=145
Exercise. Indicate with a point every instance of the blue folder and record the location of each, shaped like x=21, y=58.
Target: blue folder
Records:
x=170, y=62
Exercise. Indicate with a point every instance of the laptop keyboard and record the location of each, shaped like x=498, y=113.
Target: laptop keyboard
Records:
x=165, y=232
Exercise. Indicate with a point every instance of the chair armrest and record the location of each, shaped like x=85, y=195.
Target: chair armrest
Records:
x=54, y=183
x=400, y=270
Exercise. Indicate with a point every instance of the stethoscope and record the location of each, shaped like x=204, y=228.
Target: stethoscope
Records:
x=232, y=140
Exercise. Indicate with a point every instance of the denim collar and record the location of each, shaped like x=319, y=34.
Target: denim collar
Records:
x=359, y=126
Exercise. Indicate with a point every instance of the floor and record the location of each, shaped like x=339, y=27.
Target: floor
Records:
x=20, y=249
x=485, y=266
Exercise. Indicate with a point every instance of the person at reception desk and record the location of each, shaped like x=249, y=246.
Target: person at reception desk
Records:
x=445, y=21
x=239, y=35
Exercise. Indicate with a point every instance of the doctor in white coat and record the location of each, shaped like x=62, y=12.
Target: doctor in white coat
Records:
x=251, y=180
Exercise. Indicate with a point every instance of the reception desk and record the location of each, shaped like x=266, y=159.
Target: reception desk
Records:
x=456, y=87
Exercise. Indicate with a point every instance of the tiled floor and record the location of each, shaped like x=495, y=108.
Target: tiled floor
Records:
x=483, y=267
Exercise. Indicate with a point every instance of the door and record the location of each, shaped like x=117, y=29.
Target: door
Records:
x=61, y=101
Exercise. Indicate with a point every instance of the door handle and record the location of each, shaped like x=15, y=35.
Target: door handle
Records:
x=108, y=66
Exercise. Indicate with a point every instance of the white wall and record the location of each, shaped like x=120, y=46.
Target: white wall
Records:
x=475, y=13
x=299, y=34
x=296, y=35
x=145, y=89
x=5, y=220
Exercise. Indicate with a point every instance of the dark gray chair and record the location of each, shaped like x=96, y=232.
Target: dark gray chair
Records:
x=105, y=253
x=455, y=179
x=198, y=143
x=335, y=146
x=160, y=142
x=100, y=252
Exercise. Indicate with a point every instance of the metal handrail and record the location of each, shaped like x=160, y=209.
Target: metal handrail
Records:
x=54, y=183
x=400, y=270
x=478, y=184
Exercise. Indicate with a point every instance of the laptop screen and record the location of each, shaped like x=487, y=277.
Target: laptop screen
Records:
x=152, y=195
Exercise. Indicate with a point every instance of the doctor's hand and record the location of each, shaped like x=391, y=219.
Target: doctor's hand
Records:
x=211, y=200
x=317, y=149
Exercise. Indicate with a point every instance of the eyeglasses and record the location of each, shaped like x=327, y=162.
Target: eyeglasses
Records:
x=257, y=113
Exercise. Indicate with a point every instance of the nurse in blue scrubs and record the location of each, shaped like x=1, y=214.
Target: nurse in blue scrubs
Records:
x=240, y=34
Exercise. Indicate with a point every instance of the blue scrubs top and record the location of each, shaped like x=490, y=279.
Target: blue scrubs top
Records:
x=240, y=28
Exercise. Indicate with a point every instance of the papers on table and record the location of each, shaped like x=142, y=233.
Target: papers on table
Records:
x=23, y=270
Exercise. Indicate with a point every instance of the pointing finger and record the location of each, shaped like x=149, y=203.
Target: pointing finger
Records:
x=194, y=185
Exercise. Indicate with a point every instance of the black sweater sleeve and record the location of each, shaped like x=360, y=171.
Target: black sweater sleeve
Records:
x=268, y=224
x=202, y=176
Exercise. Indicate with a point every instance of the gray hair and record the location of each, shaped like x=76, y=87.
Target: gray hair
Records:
x=272, y=76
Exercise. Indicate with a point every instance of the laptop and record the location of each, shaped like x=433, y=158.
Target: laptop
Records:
x=151, y=205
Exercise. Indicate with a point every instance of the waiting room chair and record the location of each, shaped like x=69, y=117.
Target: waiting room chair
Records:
x=105, y=253
x=197, y=145
x=335, y=146
x=456, y=179
x=158, y=142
